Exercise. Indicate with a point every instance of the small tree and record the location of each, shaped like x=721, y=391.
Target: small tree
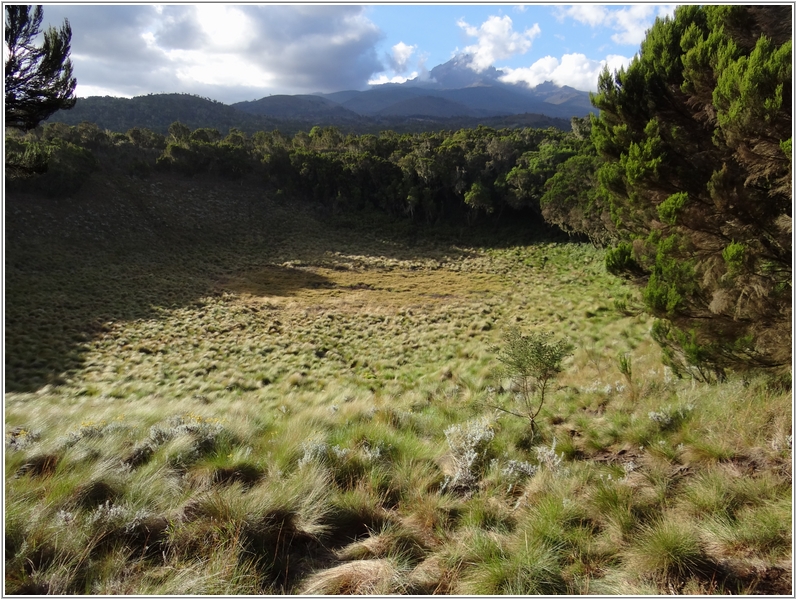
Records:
x=533, y=362
x=38, y=80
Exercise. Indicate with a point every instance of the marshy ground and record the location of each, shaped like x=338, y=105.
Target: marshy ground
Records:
x=213, y=391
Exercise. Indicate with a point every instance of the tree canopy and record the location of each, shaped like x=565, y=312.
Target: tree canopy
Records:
x=693, y=169
x=38, y=80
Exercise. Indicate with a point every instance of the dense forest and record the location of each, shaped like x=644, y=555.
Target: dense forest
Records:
x=431, y=177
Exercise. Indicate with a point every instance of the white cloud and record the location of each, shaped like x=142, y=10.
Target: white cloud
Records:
x=227, y=27
x=496, y=40
x=575, y=70
x=589, y=14
x=226, y=52
x=400, y=56
x=630, y=22
x=399, y=62
x=395, y=79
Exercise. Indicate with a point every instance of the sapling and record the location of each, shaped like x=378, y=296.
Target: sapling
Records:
x=533, y=362
x=624, y=364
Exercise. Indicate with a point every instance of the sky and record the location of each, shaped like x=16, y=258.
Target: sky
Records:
x=237, y=52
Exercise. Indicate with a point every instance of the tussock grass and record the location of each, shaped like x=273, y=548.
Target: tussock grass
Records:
x=283, y=405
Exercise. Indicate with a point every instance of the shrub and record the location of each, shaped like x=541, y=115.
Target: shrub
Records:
x=56, y=168
x=533, y=361
x=469, y=445
x=669, y=209
x=620, y=260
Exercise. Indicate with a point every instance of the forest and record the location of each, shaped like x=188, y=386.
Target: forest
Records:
x=474, y=360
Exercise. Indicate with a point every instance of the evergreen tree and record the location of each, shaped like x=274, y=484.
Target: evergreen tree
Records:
x=696, y=138
x=38, y=80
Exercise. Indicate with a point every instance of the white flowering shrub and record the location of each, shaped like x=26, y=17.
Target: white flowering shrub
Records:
x=108, y=516
x=548, y=458
x=314, y=452
x=469, y=445
x=517, y=470
x=20, y=438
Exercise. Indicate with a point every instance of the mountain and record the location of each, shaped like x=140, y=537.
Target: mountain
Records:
x=427, y=106
x=480, y=94
x=450, y=95
x=457, y=73
x=297, y=107
x=157, y=111
x=377, y=99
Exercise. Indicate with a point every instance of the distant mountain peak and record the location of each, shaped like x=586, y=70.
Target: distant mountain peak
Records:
x=457, y=74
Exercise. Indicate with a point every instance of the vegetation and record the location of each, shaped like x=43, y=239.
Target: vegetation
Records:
x=271, y=364
x=158, y=111
x=212, y=389
x=532, y=361
x=463, y=176
x=693, y=185
x=38, y=81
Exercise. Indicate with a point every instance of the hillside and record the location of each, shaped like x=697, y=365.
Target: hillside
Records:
x=157, y=111
x=427, y=106
x=298, y=107
x=453, y=92
x=212, y=388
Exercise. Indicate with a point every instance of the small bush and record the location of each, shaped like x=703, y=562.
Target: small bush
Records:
x=532, y=361
x=469, y=445
x=620, y=260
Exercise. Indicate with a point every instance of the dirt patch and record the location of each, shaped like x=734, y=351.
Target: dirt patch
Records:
x=621, y=456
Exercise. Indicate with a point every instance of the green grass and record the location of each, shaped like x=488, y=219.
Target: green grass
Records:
x=261, y=405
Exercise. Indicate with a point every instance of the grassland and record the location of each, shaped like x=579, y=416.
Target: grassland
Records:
x=212, y=391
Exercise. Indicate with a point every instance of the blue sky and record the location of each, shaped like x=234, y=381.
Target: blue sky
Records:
x=234, y=52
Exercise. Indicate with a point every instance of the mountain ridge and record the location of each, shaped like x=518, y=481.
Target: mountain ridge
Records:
x=451, y=94
x=481, y=92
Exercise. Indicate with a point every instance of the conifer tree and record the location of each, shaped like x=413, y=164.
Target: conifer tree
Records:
x=38, y=80
x=696, y=138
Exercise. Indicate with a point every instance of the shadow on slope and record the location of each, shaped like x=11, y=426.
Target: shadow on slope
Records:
x=119, y=251
x=123, y=249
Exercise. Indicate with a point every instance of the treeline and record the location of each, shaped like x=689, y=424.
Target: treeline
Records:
x=158, y=111
x=431, y=177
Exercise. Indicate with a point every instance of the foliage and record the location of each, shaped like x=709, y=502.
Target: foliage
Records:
x=38, y=80
x=158, y=111
x=464, y=176
x=533, y=362
x=24, y=158
x=696, y=179
x=55, y=167
x=470, y=444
